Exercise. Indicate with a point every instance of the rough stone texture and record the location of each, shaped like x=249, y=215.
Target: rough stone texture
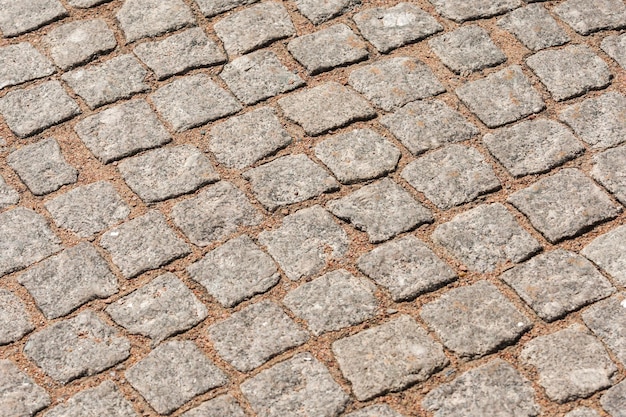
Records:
x=14, y=320
x=587, y=16
x=84, y=4
x=462, y=10
x=105, y=399
x=22, y=62
x=144, y=243
x=615, y=47
x=377, y=410
x=142, y=18
x=320, y=11
x=328, y=48
x=218, y=211
x=389, y=357
x=214, y=7
x=222, y=406
x=95, y=346
x=583, y=412
x=325, y=107
x=565, y=204
x=42, y=167
x=425, y=125
x=8, y=195
x=392, y=83
x=64, y=282
x=19, y=17
x=254, y=335
x=333, y=301
x=174, y=373
x=21, y=397
x=390, y=28
x=533, y=146
x=485, y=237
x=180, y=52
x=614, y=400
x=288, y=180
x=608, y=251
x=495, y=389
x=571, y=363
x=305, y=242
x=534, y=27
x=501, y=97
x=451, y=176
x=383, y=210
x=122, y=131
x=167, y=172
x=607, y=319
x=193, y=101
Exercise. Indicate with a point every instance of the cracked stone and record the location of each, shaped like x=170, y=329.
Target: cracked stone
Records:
x=607, y=320
x=534, y=27
x=15, y=321
x=615, y=47
x=319, y=12
x=614, y=400
x=212, y=8
x=462, y=10
x=377, y=410
x=105, y=399
x=222, y=406
x=23, y=16
x=144, y=18
x=22, y=62
x=20, y=395
x=608, y=251
x=588, y=16
x=8, y=195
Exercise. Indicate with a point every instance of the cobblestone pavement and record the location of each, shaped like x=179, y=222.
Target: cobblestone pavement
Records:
x=312, y=208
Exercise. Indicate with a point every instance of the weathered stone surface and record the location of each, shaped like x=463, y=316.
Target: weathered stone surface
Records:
x=583, y=412
x=142, y=18
x=377, y=410
x=534, y=27
x=23, y=16
x=319, y=12
x=22, y=62
x=587, y=16
x=214, y=7
x=614, y=400
x=615, y=47
x=608, y=251
x=462, y=10
x=607, y=319
x=14, y=320
x=84, y=4
x=8, y=195
x=105, y=399
x=222, y=406
x=21, y=397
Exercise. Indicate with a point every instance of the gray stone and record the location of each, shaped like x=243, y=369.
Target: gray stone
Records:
x=64, y=282
x=425, y=125
x=608, y=251
x=8, y=195
x=243, y=140
x=193, y=101
x=78, y=42
x=22, y=62
x=393, y=27
x=306, y=242
x=495, y=389
x=14, y=320
x=377, y=410
x=328, y=48
x=180, y=52
x=485, y=237
x=392, y=83
x=235, y=271
x=462, y=10
x=254, y=27
x=388, y=358
x=85, y=4
x=258, y=76
x=37, y=108
x=105, y=399
x=19, y=17
x=582, y=412
x=382, y=209
x=288, y=180
x=222, y=406
x=89, y=209
x=607, y=319
x=325, y=107
x=615, y=47
x=174, y=373
x=333, y=301
x=534, y=27
x=217, y=212
x=144, y=18
x=21, y=397
x=533, y=146
x=319, y=12
x=116, y=79
x=564, y=205
x=587, y=16
x=451, y=176
x=212, y=8
x=142, y=244
x=571, y=363
x=122, y=131
x=167, y=172
x=614, y=400
x=81, y=346
x=501, y=97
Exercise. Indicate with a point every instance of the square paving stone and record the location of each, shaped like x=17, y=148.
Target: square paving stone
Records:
x=20, y=395
x=388, y=358
x=325, y=107
x=533, y=146
x=358, y=155
x=608, y=251
x=22, y=62
x=105, y=399
x=582, y=412
x=607, y=319
x=81, y=346
x=122, y=131
x=142, y=244
x=393, y=27
x=587, y=16
x=328, y=48
x=534, y=27
x=288, y=180
x=451, y=176
x=258, y=76
x=392, y=83
x=212, y=8
x=78, y=42
x=319, y=12
x=377, y=410
x=159, y=309
x=235, y=271
x=558, y=282
x=571, y=363
x=502, y=97
x=222, y=406
x=254, y=27
x=19, y=17
x=37, y=108
x=495, y=389
x=462, y=10
x=485, y=237
x=305, y=242
x=243, y=140
x=564, y=205
x=64, y=282
x=333, y=301
x=144, y=18
x=383, y=210
x=180, y=52
x=174, y=373
x=193, y=101
x=615, y=47
x=8, y=195
x=167, y=172
x=614, y=400
x=42, y=167
x=254, y=335
x=15, y=321
x=425, y=125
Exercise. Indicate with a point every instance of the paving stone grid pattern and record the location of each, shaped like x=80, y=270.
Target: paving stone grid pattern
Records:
x=306, y=208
